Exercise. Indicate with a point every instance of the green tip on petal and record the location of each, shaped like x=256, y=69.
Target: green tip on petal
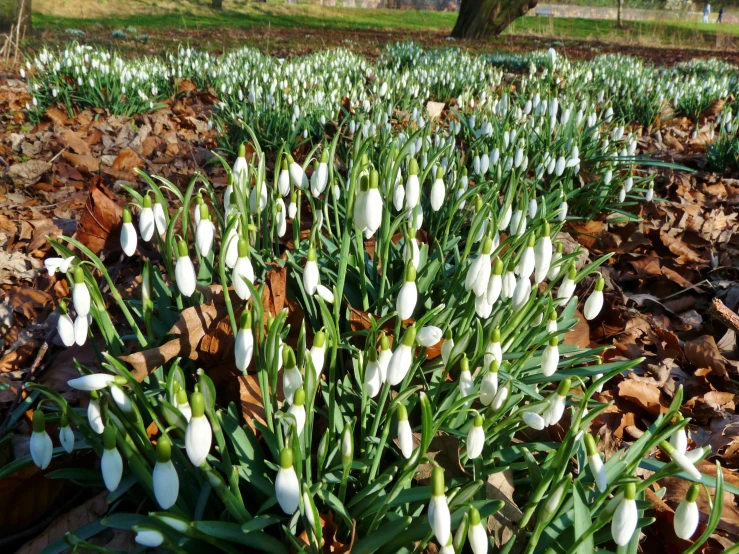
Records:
x=402, y=413
x=474, y=516
x=182, y=396
x=464, y=363
x=440, y=173
x=410, y=273
x=532, y=240
x=283, y=164
x=290, y=159
x=371, y=354
x=448, y=334
x=62, y=307
x=553, y=315
x=109, y=437
x=559, y=248
x=496, y=335
x=564, y=387
x=554, y=341
x=385, y=343
x=600, y=284
x=693, y=493
x=498, y=267
x=197, y=404
x=630, y=491
x=204, y=212
x=572, y=273
x=437, y=481
x=546, y=229
x=147, y=201
x=320, y=339
x=182, y=249
x=413, y=167
x=243, y=248
x=364, y=183
x=242, y=150
x=79, y=275
x=374, y=179
x=246, y=320
x=494, y=366
x=312, y=254
x=127, y=215
x=299, y=398
x=286, y=458
x=590, y=445
x=288, y=357
x=324, y=156
x=164, y=450
x=464, y=171
x=487, y=246
x=478, y=203
x=39, y=422
x=409, y=338
x=478, y=420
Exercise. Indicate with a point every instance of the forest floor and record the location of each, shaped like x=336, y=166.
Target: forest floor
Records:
x=673, y=284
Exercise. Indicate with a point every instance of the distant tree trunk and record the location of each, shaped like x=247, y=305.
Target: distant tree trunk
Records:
x=216, y=4
x=9, y=11
x=618, y=18
x=482, y=18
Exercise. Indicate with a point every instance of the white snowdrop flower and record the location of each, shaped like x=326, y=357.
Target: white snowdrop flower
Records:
x=325, y=293
x=411, y=252
x=292, y=379
x=484, y=163
x=398, y=197
x=625, y=517
x=121, y=399
x=81, y=327
x=244, y=343
x=92, y=382
x=373, y=206
x=508, y=286
x=542, y=255
x=489, y=384
x=297, y=410
x=466, y=382
x=438, y=191
x=53, y=265
x=679, y=440
x=184, y=271
x=402, y=358
x=80, y=293
x=521, y=293
x=287, y=487
x=534, y=420
x=311, y=276
x=317, y=352
x=183, y=405
x=438, y=513
x=478, y=273
x=405, y=434
x=283, y=180
x=687, y=515
x=557, y=403
x=146, y=221
x=297, y=175
x=165, y=480
x=504, y=218
x=292, y=208
x=160, y=219
x=650, y=193
x=554, y=268
x=475, y=438
x=41, y=447
x=501, y=397
x=94, y=414
x=594, y=303
x=528, y=259
x=408, y=294
x=111, y=463
x=477, y=536
x=385, y=356
x=518, y=223
x=628, y=184
x=493, y=349
x=242, y=271
x=495, y=283
x=241, y=168
x=448, y=548
x=66, y=435
x=412, y=186
x=596, y=464
x=567, y=286
x=533, y=208
x=195, y=212
x=682, y=460
x=321, y=176
x=204, y=232
x=429, y=335
x=373, y=374
x=550, y=358
x=562, y=211
x=552, y=323
x=199, y=434
x=621, y=194
x=476, y=169
x=148, y=537
x=447, y=346
x=258, y=197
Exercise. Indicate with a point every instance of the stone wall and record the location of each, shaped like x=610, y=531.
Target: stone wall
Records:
x=630, y=14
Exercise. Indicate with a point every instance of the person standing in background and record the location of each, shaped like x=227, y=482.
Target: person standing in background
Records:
x=721, y=14
x=706, y=12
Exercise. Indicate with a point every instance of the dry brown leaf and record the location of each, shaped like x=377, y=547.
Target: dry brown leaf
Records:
x=28, y=173
x=127, y=160
x=684, y=253
x=579, y=335
x=642, y=394
x=75, y=142
x=703, y=352
x=499, y=486
x=88, y=163
x=100, y=223
x=434, y=109
x=251, y=400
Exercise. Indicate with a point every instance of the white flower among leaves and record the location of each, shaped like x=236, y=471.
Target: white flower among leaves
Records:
x=40, y=445
x=625, y=517
x=128, y=234
x=402, y=358
x=287, y=487
x=478, y=538
x=198, y=435
x=687, y=514
x=439, y=517
x=596, y=464
x=405, y=434
x=478, y=274
x=147, y=226
x=244, y=344
x=111, y=463
x=184, y=271
x=475, y=438
x=594, y=303
x=165, y=480
x=408, y=295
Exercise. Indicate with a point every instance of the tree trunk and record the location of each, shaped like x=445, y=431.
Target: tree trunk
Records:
x=216, y=4
x=482, y=18
x=618, y=19
x=9, y=12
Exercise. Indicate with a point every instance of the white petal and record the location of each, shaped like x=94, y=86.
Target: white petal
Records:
x=41, y=449
x=478, y=539
x=399, y=364
x=287, y=490
x=687, y=517
x=166, y=484
x=429, y=336
x=624, y=522
x=198, y=438
x=111, y=465
x=325, y=293
x=94, y=381
x=534, y=420
x=475, y=442
x=405, y=438
x=149, y=537
x=66, y=438
x=94, y=417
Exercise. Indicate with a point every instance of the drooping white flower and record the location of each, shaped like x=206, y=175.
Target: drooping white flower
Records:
x=594, y=303
x=405, y=434
x=287, y=487
x=317, y=352
x=292, y=208
x=40, y=445
x=625, y=517
x=184, y=271
x=283, y=180
x=183, y=405
x=438, y=191
x=501, y=396
x=650, y=193
x=534, y=420
x=478, y=273
x=429, y=336
x=596, y=464
x=242, y=271
x=160, y=218
x=679, y=440
x=204, y=232
x=495, y=283
x=94, y=414
x=489, y=384
x=128, y=234
x=199, y=434
x=53, y=265
x=447, y=346
x=111, y=463
x=493, y=349
x=80, y=293
x=297, y=175
x=508, y=286
x=320, y=176
x=477, y=535
x=567, y=286
x=554, y=267
x=402, y=358
x=687, y=514
x=372, y=206
x=550, y=357
x=292, y=379
x=542, y=255
x=165, y=480
x=528, y=259
x=244, y=343
x=146, y=220
x=412, y=186
x=325, y=293
x=408, y=295
x=81, y=327
x=281, y=217
x=475, y=438
x=66, y=435
x=121, y=399
x=682, y=460
x=373, y=375
x=231, y=242
x=521, y=293
x=438, y=514
x=148, y=537
x=241, y=168
x=93, y=381
x=466, y=382
x=557, y=403
x=297, y=410
x=311, y=275
x=385, y=356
